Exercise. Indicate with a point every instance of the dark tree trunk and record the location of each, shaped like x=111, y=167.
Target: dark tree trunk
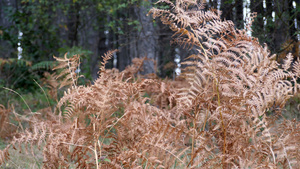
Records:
x=97, y=57
x=227, y=9
x=298, y=14
x=140, y=42
x=123, y=57
x=73, y=23
x=292, y=19
x=281, y=24
x=213, y=4
x=298, y=25
x=147, y=39
x=166, y=54
x=293, y=30
x=270, y=25
x=258, y=24
x=7, y=49
x=239, y=21
x=111, y=43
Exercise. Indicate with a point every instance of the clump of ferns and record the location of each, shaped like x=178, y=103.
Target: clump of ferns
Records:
x=218, y=120
x=140, y=134
x=92, y=130
x=233, y=81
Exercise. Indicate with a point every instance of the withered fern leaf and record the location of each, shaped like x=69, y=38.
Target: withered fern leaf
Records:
x=213, y=116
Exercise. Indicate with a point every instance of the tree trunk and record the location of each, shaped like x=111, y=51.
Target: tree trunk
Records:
x=293, y=30
x=239, y=19
x=298, y=14
x=147, y=38
x=270, y=26
x=281, y=26
x=166, y=63
x=123, y=57
x=292, y=19
x=227, y=9
x=213, y=4
x=258, y=24
x=73, y=23
x=7, y=49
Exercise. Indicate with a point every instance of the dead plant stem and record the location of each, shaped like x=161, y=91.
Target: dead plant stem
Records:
x=95, y=147
x=223, y=126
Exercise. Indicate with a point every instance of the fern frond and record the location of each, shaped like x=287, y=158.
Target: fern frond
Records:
x=3, y=116
x=4, y=155
x=287, y=62
x=48, y=65
x=51, y=82
x=69, y=66
x=296, y=67
x=14, y=61
x=107, y=56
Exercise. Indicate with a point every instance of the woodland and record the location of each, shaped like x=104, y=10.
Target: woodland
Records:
x=149, y=84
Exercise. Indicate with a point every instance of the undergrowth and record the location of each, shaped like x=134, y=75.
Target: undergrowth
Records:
x=214, y=115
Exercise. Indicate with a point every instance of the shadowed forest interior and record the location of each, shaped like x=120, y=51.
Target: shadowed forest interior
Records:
x=149, y=84
x=35, y=30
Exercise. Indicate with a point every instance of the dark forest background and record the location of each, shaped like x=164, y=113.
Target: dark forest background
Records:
x=43, y=28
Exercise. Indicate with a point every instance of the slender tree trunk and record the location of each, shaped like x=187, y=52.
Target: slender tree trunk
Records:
x=6, y=49
x=293, y=29
x=258, y=24
x=147, y=39
x=270, y=25
x=281, y=23
x=73, y=23
x=213, y=4
x=166, y=63
x=227, y=9
x=298, y=14
x=292, y=19
x=96, y=58
x=123, y=58
x=239, y=14
x=126, y=39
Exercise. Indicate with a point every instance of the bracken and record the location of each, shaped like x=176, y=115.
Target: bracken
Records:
x=213, y=116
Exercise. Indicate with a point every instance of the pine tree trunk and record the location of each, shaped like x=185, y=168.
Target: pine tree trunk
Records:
x=227, y=9
x=73, y=23
x=292, y=19
x=258, y=24
x=147, y=38
x=270, y=26
x=281, y=24
x=213, y=4
x=239, y=14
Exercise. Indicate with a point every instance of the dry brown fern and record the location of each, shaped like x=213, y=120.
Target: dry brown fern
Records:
x=52, y=84
x=3, y=116
x=233, y=82
x=215, y=117
x=4, y=155
x=109, y=124
x=68, y=67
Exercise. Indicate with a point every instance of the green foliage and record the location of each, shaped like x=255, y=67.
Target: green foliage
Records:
x=75, y=50
x=15, y=73
x=46, y=65
x=47, y=30
x=40, y=37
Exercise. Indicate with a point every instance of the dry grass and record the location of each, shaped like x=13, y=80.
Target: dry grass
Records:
x=24, y=161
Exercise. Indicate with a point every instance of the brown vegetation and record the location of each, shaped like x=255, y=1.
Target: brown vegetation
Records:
x=213, y=116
